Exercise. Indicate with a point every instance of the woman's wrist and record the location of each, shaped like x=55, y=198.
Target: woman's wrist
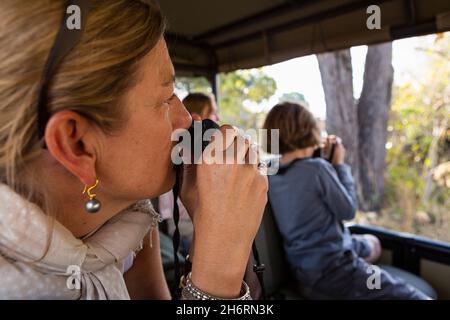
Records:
x=218, y=270
x=191, y=292
x=219, y=281
x=220, y=258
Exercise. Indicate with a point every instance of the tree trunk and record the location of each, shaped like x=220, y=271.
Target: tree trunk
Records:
x=336, y=71
x=362, y=126
x=373, y=114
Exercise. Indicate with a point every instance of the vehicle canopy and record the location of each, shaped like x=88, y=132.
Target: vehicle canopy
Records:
x=206, y=37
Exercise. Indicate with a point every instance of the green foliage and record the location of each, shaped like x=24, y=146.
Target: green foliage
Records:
x=418, y=143
x=294, y=97
x=240, y=88
x=195, y=84
x=237, y=90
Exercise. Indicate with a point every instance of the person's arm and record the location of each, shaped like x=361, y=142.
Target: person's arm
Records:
x=145, y=279
x=337, y=185
x=344, y=173
x=226, y=203
x=339, y=198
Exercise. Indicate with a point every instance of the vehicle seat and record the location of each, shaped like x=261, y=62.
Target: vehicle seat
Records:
x=278, y=278
x=411, y=279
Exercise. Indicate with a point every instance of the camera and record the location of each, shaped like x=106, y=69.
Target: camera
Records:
x=321, y=153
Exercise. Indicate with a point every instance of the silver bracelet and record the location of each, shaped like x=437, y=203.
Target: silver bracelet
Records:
x=191, y=292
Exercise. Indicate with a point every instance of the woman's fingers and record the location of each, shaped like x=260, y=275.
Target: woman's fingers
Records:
x=240, y=148
x=252, y=156
x=229, y=146
x=223, y=138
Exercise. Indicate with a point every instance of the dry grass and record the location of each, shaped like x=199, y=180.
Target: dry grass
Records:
x=434, y=226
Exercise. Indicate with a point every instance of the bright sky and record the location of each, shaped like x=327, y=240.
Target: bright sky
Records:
x=302, y=74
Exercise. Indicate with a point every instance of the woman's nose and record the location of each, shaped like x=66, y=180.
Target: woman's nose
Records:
x=182, y=118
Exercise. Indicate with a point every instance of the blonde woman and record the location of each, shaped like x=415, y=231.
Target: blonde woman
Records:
x=93, y=111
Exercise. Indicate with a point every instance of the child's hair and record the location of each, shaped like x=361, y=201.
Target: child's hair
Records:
x=297, y=127
x=198, y=103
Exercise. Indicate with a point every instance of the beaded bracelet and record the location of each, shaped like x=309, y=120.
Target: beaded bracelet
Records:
x=191, y=292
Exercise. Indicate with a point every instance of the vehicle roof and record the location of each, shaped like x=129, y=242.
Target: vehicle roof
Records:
x=209, y=36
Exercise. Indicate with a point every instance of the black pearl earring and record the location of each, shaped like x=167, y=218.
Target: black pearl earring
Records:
x=93, y=205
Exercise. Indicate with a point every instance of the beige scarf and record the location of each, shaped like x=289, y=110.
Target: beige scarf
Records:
x=91, y=268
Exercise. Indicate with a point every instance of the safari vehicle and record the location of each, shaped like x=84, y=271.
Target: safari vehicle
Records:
x=208, y=37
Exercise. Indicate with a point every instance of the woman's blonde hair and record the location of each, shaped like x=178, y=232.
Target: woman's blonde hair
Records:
x=91, y=80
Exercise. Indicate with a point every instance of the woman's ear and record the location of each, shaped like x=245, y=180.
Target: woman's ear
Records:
x=66, y=139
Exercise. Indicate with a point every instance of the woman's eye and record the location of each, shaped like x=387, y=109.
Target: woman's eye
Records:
x=168, y=101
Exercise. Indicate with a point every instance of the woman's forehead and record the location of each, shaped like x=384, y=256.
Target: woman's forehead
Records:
x=158, y=67
x=157, y=70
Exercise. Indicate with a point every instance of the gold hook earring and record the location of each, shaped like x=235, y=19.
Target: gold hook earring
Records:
x=93, y=205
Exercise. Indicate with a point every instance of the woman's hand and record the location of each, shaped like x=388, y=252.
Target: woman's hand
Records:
x=226, y=204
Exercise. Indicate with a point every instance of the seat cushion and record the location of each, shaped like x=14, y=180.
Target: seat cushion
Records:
x=406, y=276
x=411, y=279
